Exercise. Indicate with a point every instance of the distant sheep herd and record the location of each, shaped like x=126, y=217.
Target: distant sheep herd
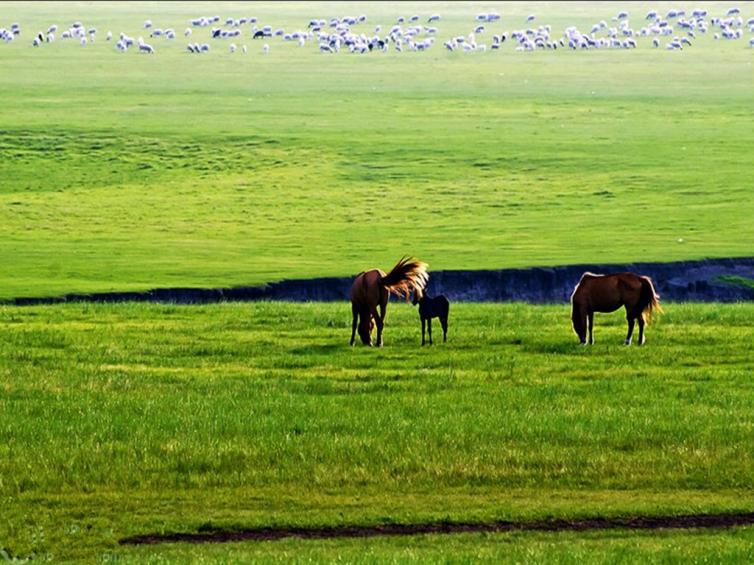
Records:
x=676, y=30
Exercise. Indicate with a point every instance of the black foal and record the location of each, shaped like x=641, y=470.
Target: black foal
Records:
x=429, y=308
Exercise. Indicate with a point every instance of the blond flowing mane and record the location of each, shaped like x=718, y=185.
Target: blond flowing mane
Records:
x=408, y=274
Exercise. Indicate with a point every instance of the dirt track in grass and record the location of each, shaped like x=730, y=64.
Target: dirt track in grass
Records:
x=357, y=531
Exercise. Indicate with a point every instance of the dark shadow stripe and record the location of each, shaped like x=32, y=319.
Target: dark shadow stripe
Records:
x=355, y=531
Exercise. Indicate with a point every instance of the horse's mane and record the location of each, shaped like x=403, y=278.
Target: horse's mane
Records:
x=409, y=273
x=588, y=275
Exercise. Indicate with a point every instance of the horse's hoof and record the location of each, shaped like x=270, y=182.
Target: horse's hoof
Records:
x=627, y=342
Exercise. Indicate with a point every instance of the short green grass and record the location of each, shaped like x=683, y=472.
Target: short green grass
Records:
x=127, y=419
x=122, y=172
x=738, y=281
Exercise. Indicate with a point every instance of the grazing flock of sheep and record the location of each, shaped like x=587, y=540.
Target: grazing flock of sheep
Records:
x=676, y=29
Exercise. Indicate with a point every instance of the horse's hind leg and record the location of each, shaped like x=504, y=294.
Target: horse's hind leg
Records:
x=379, y=321
x=630, y=320
x=355, y=313
x=365, y=326
x=444, y=324
x=640, y=319
x=590, y=322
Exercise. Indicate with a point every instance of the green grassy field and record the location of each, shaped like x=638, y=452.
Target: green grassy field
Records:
x=126, y=419
x=241, y=170
x=128, y=172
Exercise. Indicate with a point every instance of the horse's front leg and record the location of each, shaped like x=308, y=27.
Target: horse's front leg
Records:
x=424, y=324
x=429, y=329
x=579, y=319
x=590, y=321
x=630, y=320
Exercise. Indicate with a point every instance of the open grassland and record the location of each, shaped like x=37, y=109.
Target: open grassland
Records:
x=123, y=172
x=127, y=172
x=127, y=419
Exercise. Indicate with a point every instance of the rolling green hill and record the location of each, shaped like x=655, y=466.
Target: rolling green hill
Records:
x=126, y=171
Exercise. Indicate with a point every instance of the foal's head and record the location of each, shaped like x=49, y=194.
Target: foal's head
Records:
x=418, y=296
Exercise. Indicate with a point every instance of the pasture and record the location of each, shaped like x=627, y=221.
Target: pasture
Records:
x=243, y=170
x=123, y=171
x=130, y=419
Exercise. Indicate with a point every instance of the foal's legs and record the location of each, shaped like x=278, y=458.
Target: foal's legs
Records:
x=590, y=321
x=444, y=324
x=355, y=313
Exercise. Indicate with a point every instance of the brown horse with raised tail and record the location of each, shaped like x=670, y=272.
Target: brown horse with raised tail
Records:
x=607, y=293
x=371, y=289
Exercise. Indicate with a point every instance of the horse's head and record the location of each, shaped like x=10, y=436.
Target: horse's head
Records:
x=579, y=323
x=366, y=325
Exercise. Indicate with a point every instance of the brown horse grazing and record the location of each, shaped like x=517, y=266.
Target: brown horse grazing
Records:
x=607, y=293
x=372, y=288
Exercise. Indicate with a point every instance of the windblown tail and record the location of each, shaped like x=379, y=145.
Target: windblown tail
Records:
x=408, y=274
x=649, y=299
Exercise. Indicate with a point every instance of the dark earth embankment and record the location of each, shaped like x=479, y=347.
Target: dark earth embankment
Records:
x=709, y=280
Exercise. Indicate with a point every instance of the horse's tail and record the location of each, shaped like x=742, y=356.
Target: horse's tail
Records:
x=408, y=274
x=650, y=300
